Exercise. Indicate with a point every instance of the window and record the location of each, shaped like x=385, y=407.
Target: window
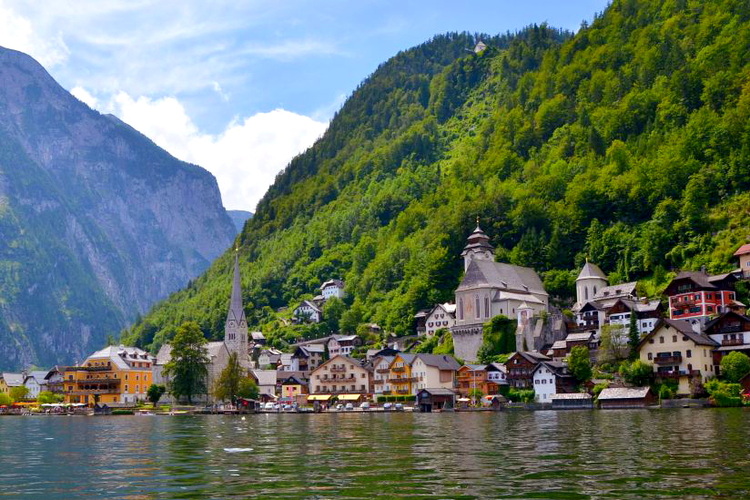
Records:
x=476, y=304
x=689, y=353
x=650, y=356
x=486, y=307
x=674, y=338
x=460, y=308
x=661, y=340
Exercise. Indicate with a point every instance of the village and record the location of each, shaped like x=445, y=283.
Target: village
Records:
x=613, y=349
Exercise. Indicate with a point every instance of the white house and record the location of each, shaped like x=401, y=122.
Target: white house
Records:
x=332, y=288
x=441, y=316
x=342, y=345
x=550, y=377
x=381, y=369
x=35, y=383
x=307, y=311
x=497, y=373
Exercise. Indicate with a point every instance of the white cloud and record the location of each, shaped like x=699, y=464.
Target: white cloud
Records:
x=17, y=32
x=85, y=96
x=245, y=157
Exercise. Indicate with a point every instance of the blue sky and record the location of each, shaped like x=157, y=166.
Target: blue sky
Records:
x=241, y=87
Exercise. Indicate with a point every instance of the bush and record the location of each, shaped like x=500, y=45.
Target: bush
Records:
x=724, y=394
x=638, y=373
x=598, y=388
x=521, y=395
x=734, y=366
x=666, y=392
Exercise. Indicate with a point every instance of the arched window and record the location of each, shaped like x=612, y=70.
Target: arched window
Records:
x=587, y=292
x=476, y=304
x=460, y=308
x=486, y=307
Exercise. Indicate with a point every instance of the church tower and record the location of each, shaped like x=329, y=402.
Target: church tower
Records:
x=235, y=328
x=477, y=248
x=590, y=280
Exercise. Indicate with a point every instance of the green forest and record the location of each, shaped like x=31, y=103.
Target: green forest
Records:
x=627, y=143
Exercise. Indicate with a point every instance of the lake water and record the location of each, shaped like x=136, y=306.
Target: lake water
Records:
x=681, y=453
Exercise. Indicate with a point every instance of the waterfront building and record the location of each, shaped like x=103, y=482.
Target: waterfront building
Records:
x=435, y=399
x=269, y=357
x=35, y=382
x=549, y=378
x=678, y=352
x=115, y=374
x=343, y=377
x=267, y=381
x=433, y=371
x=626, y=397
x=572, y=401
x=496, y=374
x=490, y=289
x=471, y=378
x=696, y=296
x=9, y=380
x=54, y=380
x=292, y=388
x=400, y=379
x=381, y=372
x=520, y=368
x=441, y=316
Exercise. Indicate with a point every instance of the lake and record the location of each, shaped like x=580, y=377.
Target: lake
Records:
x=678, y=453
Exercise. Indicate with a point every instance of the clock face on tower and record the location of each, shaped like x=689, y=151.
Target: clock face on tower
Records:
x=231, y=323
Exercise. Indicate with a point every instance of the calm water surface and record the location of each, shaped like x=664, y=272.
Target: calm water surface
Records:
x=575, y=454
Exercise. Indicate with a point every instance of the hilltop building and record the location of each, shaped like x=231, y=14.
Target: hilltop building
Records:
x=489, y=289
x=695, y=296
x=441, y=316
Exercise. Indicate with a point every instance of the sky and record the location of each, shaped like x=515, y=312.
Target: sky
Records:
x=241, y=87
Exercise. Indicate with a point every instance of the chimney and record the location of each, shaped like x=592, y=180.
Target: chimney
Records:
x=703, y=269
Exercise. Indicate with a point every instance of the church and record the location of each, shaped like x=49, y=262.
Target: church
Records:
x=235, y=340
x=489, y=289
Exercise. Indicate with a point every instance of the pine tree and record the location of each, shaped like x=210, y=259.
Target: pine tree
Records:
x=633, y=336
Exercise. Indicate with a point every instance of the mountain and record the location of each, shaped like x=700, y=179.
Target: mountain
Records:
x=239, y=217
x=96, y=222
x=627, y=143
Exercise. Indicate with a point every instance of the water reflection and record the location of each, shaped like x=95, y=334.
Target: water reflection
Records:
x=683, y=453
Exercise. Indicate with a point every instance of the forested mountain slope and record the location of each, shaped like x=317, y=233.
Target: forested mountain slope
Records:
x=628, y=143
x=96, y=222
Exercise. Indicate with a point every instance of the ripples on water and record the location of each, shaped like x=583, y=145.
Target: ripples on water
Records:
x=684, y=453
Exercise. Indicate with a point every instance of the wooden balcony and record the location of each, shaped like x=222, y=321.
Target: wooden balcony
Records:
x=338, y=369
x=732, y=342
x=402, y=391
x=403, y=380
x=99, y=380
x=668, y=360
x=398, y=368
x=84, y=392
x=382, y=370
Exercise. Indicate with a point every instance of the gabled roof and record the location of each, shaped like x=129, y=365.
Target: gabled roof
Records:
x=496, y=367
x=309, y=304
x=13, y=379
x=118, y=354
x=39, y=376
x=474, y=368
x=449, y=309
x=265, y=377
x=591, y=270
x=579, y=337
x=257, y=336
x=333, y=282
x=591, y=305
x=531, y=357
x=727, y=314
x=684, y=327
x=571, y=395
x=559, y=368
x=624, y=393
x=439, y=392
x=439, y=361
x=506, y=277
x=744, y=249
x=613, y=291
x=293, y=380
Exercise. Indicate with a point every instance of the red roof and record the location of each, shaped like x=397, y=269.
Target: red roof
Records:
x=743, y=250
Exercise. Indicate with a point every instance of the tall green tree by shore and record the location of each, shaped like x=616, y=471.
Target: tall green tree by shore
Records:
x=228, y=385
x=188, y=367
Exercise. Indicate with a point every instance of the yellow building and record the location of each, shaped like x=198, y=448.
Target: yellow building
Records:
x=678, y=353
x=400, y=379
x=10, y=380
x=115, y=374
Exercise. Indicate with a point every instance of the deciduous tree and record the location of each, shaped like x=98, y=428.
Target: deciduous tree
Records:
x=188, y=367
x=734, y=366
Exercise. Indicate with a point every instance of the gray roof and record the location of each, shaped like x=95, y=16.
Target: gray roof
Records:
x=39, y=376
x=164, y=355
x=13, y=379
x=623, y=393
x=439, y=361
x=571, y=395
x=333, y=282
x=497, y=366
x=236, y=311
x=265, y=377
x=118, y=354
x=621, y=290
x=257, y=336
x=475, y=368
x=484, y=273
x=682, y=326
x=439, y=391
x=591, y=270
x=578, y=337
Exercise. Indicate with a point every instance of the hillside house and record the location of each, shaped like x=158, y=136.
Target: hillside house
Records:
x=441, y=316
x=696, y=296
x=332, y=288
x=343, y=344
x=307, y=357
x=677, y=352
x=743, y=253
x=9, y=380
x=731, y=331
x=307, y=312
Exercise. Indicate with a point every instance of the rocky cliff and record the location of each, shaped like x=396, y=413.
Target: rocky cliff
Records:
x=96, y=221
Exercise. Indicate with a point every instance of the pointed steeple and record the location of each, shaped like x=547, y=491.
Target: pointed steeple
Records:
x=235, y=328
x=477, y=247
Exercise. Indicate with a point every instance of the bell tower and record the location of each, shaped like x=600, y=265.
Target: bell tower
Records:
x=477, y=247
x=235, y=327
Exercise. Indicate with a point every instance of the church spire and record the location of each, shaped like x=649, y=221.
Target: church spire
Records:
x=477, y=247
x=235, y=328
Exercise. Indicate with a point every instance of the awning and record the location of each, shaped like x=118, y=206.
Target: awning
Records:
x=463, y=400
x=318, y=397
x=349, y=397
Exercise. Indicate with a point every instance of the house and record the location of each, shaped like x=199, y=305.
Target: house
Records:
x=332, y=288
x=435, y=399
x=307, y=357
x=678, y=352
x=266, y=380
x=441, y=316
x=490, y=289
x=625, y=397
x=54, y=380
x=115, y=374
x=403, y=343
x=480, y=47
x=420, y=321
x=549, y=378
x=572, y=401
x=647, y=313
x=432, y=371
x=308, y=312
x=744, y=256
x=731, y=331
x=35, y=382
x=696, y=296
x=520, y=369
x=475, y=377
x=10, y=380
x=342, y=377
x=381, y=372
x=269, y=357
x=561, y=348
x=258, y=338
x=218, y=358
x=292, y=388
x=400, y=379
x=496, y=374
x=343, y=344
